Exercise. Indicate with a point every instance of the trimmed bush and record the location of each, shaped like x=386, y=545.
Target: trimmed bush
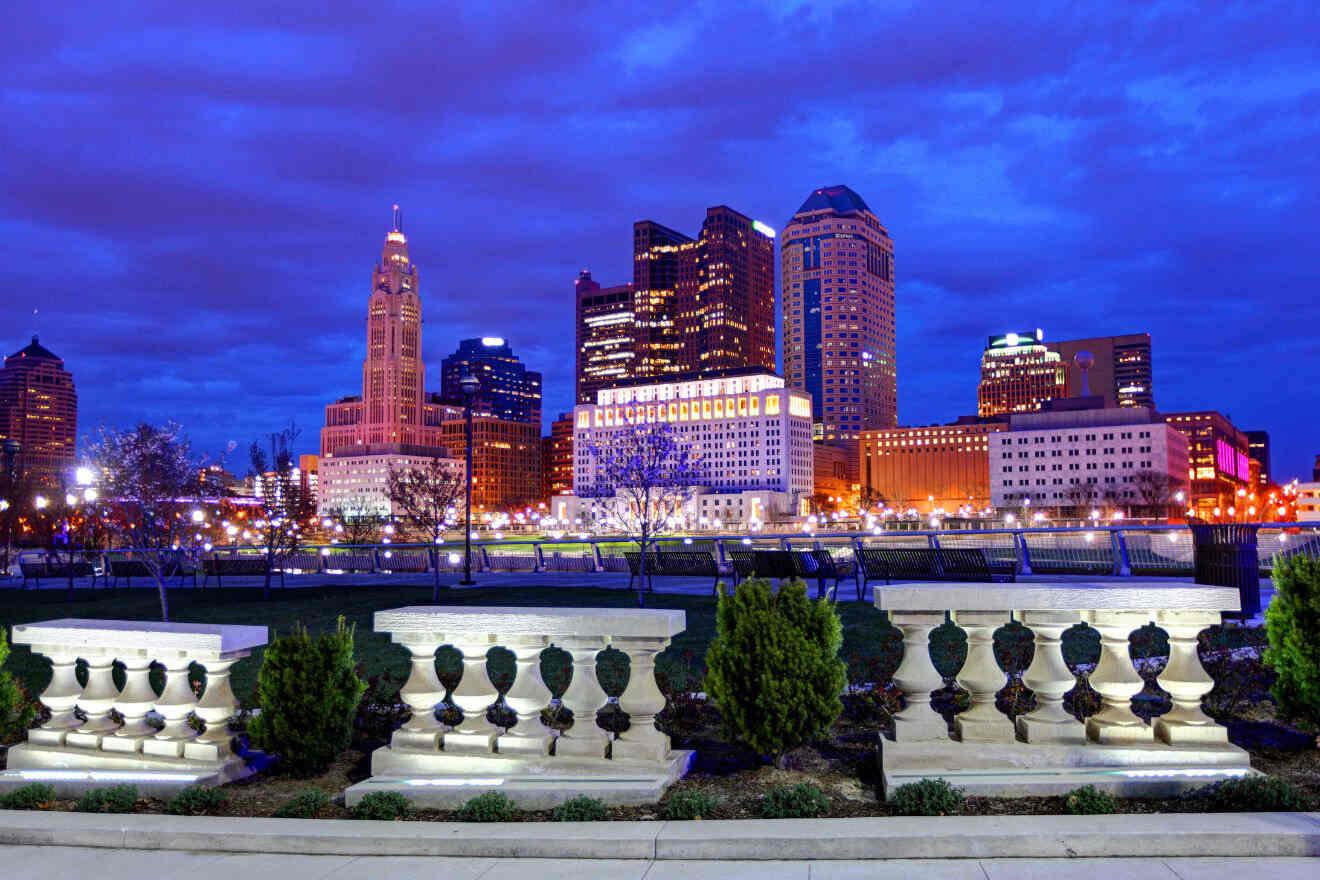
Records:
x=774, y=669
x=308, y=690
x=928, y=797
x=1089, y=801
x=115, y=799
x=36, y=796
x=1291, y=622
x=17, y=709
x=303, y=805
x=489, y=806
x=579, y=809
x=801, y=801
x=196, y=800
x=1252, y=794
x=382, y=805
x=688, y=805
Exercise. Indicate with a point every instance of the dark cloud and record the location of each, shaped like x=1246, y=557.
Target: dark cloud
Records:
x=193, y=197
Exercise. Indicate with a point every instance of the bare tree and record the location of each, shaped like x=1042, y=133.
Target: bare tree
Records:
x=149, y=484
x=354, y=527
x=1155, y=491
x=650, y=472
x=425, y=497
x=285, y=507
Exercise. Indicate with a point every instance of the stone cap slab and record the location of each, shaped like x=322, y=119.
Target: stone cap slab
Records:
x=483, y=621
x=209, y=639
x=1072, y=596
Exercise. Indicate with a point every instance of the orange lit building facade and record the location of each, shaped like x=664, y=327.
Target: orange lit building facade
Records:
x=1018, y=374
x=557, y=458
x=506, y=461
x=935, y=467
x=39, y=409
x=1218, y=464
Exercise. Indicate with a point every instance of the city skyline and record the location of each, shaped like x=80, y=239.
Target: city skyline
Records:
x=224, y=238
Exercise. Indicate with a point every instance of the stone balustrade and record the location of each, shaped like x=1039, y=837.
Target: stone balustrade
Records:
x=438, y=765
x=1047, y=750
x=75, y=754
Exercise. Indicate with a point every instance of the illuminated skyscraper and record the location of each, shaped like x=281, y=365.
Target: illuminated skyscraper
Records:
x=607, y=336
x=1018, y=374
x=837, y=283
x=39, y=409
x=508, y=389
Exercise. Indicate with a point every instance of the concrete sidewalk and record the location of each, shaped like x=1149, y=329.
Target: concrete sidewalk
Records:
x=43, y=863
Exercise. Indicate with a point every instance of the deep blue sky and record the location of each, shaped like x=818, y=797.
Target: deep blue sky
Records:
x=194, y=200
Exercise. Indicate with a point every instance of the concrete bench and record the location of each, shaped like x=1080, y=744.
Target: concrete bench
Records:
x=75, y=755
x=438, y=766
x=1047, y=751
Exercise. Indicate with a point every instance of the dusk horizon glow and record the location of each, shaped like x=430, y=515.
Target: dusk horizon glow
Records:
x=194, y=201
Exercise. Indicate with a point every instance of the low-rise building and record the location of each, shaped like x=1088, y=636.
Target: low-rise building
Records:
x=356, y=484
x=1308, y=502
x=1219, y=462
x=1071, y=461
x=931, y=467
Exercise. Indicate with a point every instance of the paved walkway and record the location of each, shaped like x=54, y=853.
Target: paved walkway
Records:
x=45, y=862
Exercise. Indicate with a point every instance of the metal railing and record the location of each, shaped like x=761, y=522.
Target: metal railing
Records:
x=1131, y=550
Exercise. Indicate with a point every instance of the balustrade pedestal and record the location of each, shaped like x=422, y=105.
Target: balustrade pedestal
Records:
x=1049, y=678
x=584, y=698
x=1187, y=682
x=99, y=751
x=917, y=677
x=642, y=700
x=983, y=679
x=1116, y=680
x=526, y=698
x=421, y=693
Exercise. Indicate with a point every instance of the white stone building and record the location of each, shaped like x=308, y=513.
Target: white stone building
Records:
x=1308, y=502
x=356, y=484
x=1067, y=459
x=751, y=434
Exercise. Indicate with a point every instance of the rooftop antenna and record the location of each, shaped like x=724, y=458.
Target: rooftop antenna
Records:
x=398, y=219
x=34, y=325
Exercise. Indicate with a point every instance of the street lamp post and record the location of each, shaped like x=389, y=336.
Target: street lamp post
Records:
x=470, y=386
x=11, y=448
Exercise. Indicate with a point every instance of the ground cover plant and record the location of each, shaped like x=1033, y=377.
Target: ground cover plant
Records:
x=304, y=805
x=490, y=806
x=928, y=797
x=196, y=800
x=382, y=805
x=115, y=799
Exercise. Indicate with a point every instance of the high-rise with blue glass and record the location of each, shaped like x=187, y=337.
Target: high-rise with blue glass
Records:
x=509, y=390
x=837, y=281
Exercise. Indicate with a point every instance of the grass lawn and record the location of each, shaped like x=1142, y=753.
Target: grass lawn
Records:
x=868, y=638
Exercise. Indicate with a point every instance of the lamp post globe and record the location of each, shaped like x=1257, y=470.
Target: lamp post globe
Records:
x=470, y=386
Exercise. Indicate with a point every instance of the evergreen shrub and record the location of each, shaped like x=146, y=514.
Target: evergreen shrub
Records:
x=196, y=800
x=489, y=806
x=308, y=690
x=800, y=801
x=773, y=668
x=1252, y=794
x=579, y=809
x=382, y=805
x=1292, y=622
x=303, y=805
x=17, y=709
x=684, y=805
x=35, y=796
x=1089, y=801
x=928, y=797
x=115, y=799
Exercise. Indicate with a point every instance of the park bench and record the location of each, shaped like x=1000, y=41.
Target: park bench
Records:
x=352, y=561
x=824, y=565
x=673, y=563
x=559, y=561
x=508, y=561
x=55, y=569
x=221, y=567
x=926, y=564
x=131, y=568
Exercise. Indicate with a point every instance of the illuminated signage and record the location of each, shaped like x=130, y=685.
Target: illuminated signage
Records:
x=763, y=229
x=492, y=341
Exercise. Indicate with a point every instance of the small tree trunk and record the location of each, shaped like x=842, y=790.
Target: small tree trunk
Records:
x=265, y=590
x=641, y=582
x=435, y=567
x=157, y=572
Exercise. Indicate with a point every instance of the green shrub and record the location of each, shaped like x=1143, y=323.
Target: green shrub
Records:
x=196, y=800
x=489, y=806
x=115, y=799
x=1089, y=801
x=308, y=690
x=35, y=796
x=688, y=805
x=800, y=801
x=928, y=797
x=579, y=809
x=1252, y=794
x=303, y=805
x=774, y=669
x=1291, y=622
x=17, y=709
x=382, y=805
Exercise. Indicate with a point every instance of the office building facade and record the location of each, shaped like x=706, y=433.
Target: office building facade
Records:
x=39, y=410
x=557, y=458
x=1219, y=461
x=1121, y=373
x=506, y=461
x=608, y=338
x=1019, y=374
x=837, y=289
x=1258, y=447
x=508, y=390
x=1070, y=462
x=929, y=468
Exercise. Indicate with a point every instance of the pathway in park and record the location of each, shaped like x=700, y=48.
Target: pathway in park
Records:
x=45, y=862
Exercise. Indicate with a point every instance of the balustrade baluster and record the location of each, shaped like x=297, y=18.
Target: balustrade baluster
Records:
x=1187, y=682
x=96, y=701
x=60, y=697
x=527, y=697
x=421, y=693
x=175, y=703
x=474, y=695
x=584, y=698
x=1116, y=680
x=1049, y=678
x=642, y=700
x=916, y=677
x=133, y=702
x=983, y=679
x=217, y=705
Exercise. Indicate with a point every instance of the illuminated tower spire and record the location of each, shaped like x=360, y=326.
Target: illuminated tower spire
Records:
x=398, y=219
x=392, y=373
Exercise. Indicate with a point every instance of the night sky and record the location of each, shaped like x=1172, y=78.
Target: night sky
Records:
x=194, y=201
